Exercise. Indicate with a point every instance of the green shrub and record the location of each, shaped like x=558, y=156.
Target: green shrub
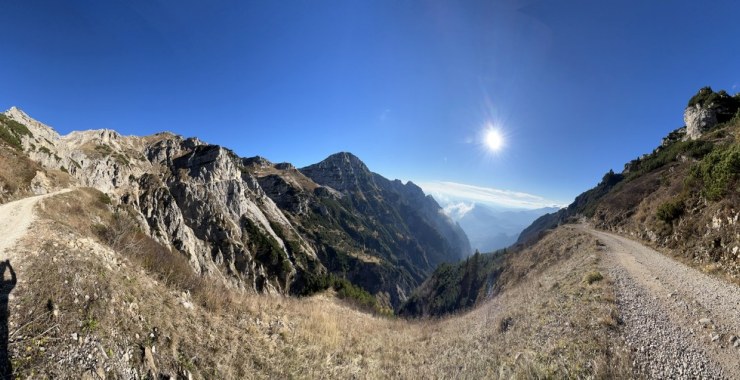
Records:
x=663, y=156
x=265, y=248
x=705, y=96
x=454, y=287
x=718, y=170
x=350, y=291
x=345, y=289
x=670, y=211
x=104, y=199
x=11, y=131
x=103, y=149
x=592, y=277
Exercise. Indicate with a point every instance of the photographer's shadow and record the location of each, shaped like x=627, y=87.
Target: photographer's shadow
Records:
x=6, y=286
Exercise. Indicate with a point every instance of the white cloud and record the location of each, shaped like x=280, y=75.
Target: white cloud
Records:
x=448, y=192
x=457, y=210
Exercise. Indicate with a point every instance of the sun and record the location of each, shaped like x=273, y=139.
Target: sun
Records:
x=493, y=139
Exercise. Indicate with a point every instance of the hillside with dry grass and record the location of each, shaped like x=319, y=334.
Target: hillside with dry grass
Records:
x=86, y=306
x=681, y=198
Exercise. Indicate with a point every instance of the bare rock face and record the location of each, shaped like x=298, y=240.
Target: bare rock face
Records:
x=258, y=225
x=397, y=233
x=204, y=202
x=189, y=195
x=707, y=109
x=698, y=119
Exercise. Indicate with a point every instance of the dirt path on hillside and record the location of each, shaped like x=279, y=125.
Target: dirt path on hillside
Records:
x=15, y=219
x=678, y=322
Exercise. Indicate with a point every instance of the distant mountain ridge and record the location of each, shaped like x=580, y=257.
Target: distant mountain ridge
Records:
x=258, y=225
x=489, y=229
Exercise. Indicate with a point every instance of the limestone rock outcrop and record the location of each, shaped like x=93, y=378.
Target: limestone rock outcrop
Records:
x=698, y=119
x=706, y=109
x=258, y=225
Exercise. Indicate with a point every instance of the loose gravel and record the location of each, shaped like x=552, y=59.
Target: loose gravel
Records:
x=677, y=321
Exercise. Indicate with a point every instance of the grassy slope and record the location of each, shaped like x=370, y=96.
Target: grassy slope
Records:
x=681, y=199
x=675, y=204
x=17, y=172
x=126, y=318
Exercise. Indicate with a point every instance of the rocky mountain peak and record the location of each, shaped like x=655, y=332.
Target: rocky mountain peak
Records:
x=37, y=128
x=257, y=161
x=342, y=171
x=16, y=111
x=344, y=160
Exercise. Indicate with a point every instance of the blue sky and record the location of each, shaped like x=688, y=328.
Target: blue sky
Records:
x=575, y=87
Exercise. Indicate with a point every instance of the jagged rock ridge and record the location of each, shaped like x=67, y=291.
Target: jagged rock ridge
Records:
x=261, y=226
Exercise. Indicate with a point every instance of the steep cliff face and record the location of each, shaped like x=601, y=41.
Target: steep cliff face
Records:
x=189, y=195
x=383, y=235
x=204, y=202
x=258, y=225
x=698, y=119
x=370, y=191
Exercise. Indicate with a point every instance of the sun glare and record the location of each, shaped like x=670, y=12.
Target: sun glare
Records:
x=494, y=141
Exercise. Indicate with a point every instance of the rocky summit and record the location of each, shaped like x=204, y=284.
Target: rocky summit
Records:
x=256, y=225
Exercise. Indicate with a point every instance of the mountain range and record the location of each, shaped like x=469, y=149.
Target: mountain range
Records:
x=490, y=228
x=258, y=225
x=167, y=257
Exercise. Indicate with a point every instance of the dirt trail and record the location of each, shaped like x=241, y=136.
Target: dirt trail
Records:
x=15, y=219
x=678, y=322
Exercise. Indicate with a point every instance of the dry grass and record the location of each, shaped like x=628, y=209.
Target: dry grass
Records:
x=546, y=323
x=16, y=173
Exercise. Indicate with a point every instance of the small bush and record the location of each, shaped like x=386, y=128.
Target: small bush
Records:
x=670, y=211
x=718, y=170
x=346, y=290
x=104, y=199
x=592, y=277
x=350, y=291
x=505, y=324
x=103, y=149
x=705, y=96
x=666, y=155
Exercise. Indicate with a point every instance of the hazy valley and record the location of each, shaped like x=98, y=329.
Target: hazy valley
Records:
x=492, y=228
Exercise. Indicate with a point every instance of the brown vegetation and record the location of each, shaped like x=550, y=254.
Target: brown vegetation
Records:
x=16, y=173
x=83, y=306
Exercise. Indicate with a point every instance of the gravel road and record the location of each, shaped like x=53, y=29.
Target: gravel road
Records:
x=678, y=322
x=15, y=219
